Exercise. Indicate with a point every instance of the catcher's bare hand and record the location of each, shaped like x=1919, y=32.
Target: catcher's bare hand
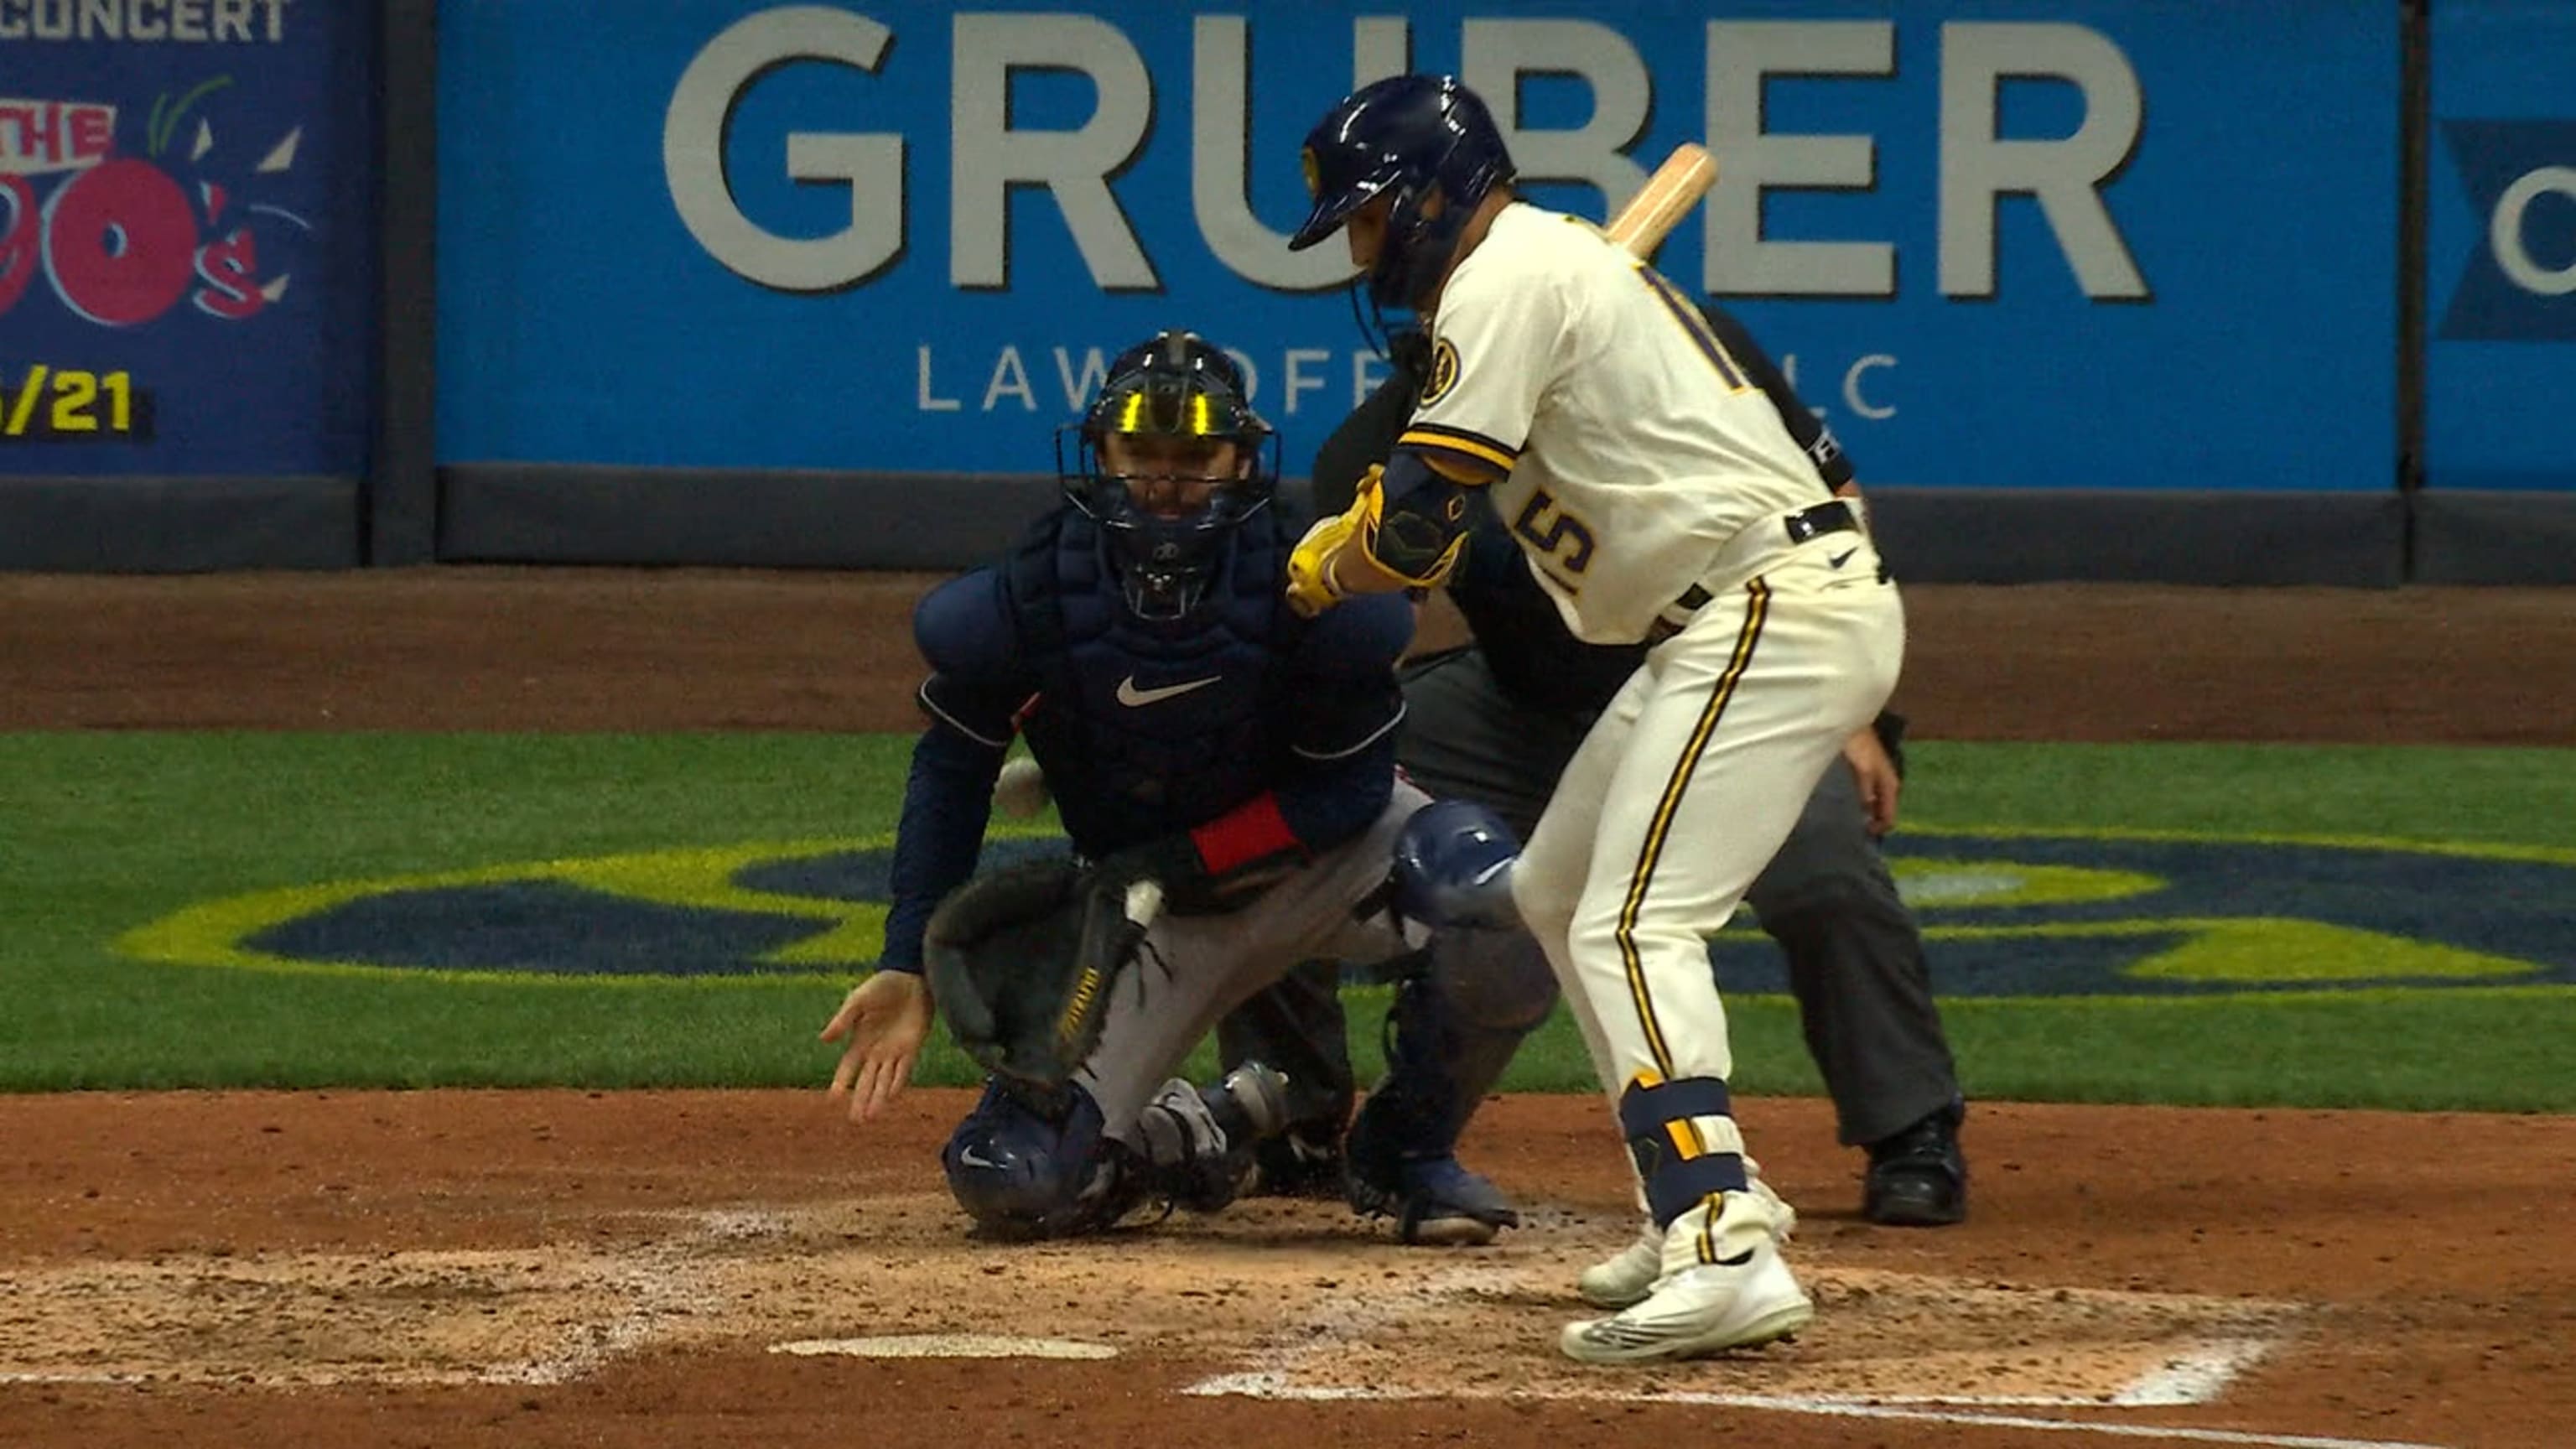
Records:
x=884, y=1020
x=1876, y=775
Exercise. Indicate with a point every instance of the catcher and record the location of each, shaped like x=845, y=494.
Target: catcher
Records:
x=1226, y=771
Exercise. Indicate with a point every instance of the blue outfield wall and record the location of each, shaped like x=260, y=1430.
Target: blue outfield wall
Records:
x=2500, y=282
x=2002, y=246
x=804, y=238
x=2089, y=288
x=187, y=292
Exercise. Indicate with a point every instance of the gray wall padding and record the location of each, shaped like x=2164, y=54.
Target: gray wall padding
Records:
x=2213, y=537
x=178, y=525
x=494, y=513
x=402, y=493
x=561, y=514
x=2467, y=537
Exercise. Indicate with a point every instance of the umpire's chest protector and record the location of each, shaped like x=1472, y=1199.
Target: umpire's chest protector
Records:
x=1146, y=727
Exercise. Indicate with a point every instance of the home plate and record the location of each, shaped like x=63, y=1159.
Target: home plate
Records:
x=945, y=1345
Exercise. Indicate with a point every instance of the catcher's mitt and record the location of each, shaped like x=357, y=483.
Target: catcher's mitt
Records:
x=1021, y=961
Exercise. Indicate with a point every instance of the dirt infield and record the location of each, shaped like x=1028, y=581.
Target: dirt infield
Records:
x=563, y=1268
x=698, y=649
x=448, y=1269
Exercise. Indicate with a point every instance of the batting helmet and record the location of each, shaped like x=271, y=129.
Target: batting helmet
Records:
x=1407, y=136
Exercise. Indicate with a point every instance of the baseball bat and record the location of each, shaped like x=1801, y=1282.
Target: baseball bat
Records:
x=1664, y=200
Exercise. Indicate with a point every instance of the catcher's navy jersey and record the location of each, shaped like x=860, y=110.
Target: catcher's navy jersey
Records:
x=1143, y=728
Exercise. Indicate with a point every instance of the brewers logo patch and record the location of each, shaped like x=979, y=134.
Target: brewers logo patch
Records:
x=1444, y=372
x=1314, y=179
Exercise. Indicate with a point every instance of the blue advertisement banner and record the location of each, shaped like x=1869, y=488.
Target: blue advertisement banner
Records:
x=186, y=251
x=2500, y=247
x=2024, y=243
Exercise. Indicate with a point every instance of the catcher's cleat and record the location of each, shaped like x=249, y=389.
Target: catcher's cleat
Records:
x=1918, y=1177
x=1740, y=1302
x=1434, y=1200
x=1251, y=1104
x=1198, y=1141
x=1627, y=1277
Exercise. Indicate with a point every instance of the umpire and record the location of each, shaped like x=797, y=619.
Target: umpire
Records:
x=1497, y=721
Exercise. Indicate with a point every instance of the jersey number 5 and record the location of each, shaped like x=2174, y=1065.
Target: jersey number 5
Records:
x=1553, y=534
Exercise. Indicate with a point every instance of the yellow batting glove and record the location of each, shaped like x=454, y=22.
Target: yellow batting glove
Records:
x=1312, y=584
x=1311, y=589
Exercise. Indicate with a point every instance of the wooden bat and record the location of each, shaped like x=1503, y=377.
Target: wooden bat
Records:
x=1666, y=198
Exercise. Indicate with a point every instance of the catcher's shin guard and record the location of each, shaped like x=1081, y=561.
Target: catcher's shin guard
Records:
x=1461, y=1009
x=1401, y=1156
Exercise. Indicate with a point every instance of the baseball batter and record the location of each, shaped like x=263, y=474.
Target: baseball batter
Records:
x=1657, y=496
x=1195, y=732
x=1497, y=722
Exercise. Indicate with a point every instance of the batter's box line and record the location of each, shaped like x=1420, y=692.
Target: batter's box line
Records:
x=1274, y=1385
x=2184, y=1381
x=2197, y=1375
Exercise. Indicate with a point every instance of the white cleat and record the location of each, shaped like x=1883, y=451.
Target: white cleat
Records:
x=1625, y=1279
x=1703, y=1309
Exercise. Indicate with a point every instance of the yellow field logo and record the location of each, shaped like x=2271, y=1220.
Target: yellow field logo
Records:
x=2005, y=912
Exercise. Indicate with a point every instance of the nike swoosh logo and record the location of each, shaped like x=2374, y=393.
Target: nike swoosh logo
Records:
x=1131, y=696
x=1838, y=560
x=973, y=1158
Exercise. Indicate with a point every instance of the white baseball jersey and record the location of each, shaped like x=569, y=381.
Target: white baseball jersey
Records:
x=1635, y=447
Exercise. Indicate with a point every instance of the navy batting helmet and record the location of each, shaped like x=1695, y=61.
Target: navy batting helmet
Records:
x=1168, y=524
x=1407, y=136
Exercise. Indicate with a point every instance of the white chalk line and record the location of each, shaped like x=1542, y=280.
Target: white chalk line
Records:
x=2177, y=1433
x=2197, y=1376
x=666, y=1284
x=944, y=1345
x=1274, y=1385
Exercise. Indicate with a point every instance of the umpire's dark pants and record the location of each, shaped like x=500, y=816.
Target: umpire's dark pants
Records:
x=1855, y=954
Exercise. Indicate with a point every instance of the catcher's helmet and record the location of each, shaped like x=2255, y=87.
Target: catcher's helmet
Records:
x=1409, y=135
x=1174, y=388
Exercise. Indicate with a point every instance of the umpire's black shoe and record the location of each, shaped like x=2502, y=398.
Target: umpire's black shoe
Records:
x=1918, y=1178
x=1304, y=1161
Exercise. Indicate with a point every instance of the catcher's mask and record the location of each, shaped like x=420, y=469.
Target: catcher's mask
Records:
x=1169, y=461
x=1406, y=137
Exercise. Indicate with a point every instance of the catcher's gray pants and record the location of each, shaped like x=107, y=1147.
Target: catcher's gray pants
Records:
x=1854, y=951
x=1195, y=969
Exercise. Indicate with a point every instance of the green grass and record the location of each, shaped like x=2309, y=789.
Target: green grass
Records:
x=102, y=833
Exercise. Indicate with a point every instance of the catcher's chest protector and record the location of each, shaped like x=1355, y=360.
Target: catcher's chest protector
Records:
x=1145, y=728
